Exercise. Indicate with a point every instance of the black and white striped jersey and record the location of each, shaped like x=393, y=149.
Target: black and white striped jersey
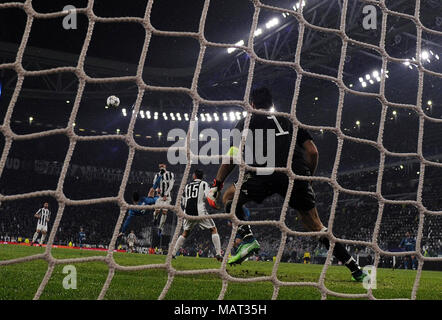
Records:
x=45, y=214
x=194, y=197
x=166, y=183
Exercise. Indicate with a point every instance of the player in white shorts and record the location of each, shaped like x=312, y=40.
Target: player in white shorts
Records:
x=131, y=239
x=164, y=193
x=43, y=216
x=193, y=201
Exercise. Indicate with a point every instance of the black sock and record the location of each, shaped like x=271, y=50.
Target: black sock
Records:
x=342, y=255
x=245, y=233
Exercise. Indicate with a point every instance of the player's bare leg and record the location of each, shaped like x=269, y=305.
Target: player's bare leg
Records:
x=162, y=222
x=34, y=238
x=180, y=242
x=311, y=222
x=43, y=236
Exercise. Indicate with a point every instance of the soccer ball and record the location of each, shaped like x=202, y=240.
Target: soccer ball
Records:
x=113, y=101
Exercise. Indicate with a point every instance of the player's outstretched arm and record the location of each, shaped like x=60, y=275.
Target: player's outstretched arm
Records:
x=224, y=171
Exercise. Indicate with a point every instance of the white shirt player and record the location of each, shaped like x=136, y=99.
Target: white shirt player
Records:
x=131, y=238
x=166, y=183
x=193, y=200
x=44, y=216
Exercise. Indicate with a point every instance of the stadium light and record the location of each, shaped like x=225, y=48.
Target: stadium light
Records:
x=358, y=123
x=258, y=32
x=271, y=23
x=272, y=109
x=361, y=79
x=367, y=76
x=239, y=43
x=32, y=119
x=142, y=114
x=394, y=112
x=124, y=112
x=430, y=103
x=160, y=134
x=232, y=116
x=225, y=116
x=238, y=115
x=425, y=55
x=316, y=98
x=364, y=84
x=186, y=116
x=244, y=114
x=118, y=131
x=375, y=74
x=208, y=117
x=298, y=5
x=203, y=117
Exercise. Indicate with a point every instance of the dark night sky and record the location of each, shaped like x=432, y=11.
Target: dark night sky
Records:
x=227, y=21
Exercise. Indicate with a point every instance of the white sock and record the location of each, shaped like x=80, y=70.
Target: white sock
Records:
x=217, y=243
x=162, y=221
x=179, y=244
x=35, y=237
x=43, y=236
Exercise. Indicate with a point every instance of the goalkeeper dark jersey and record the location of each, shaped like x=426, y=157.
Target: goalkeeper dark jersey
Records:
x=257, y=187
x=282, y=130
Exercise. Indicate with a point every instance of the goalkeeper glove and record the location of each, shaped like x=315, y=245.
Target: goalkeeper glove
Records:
x=214, y=193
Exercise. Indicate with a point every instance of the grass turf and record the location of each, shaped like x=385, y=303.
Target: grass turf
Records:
x=21, y=281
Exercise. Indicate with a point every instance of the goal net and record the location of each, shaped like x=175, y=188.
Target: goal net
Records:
x=248, y=47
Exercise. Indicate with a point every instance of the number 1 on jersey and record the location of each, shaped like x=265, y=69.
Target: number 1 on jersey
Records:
x=281, y=132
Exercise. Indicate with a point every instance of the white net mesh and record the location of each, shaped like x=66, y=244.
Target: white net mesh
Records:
x=83, y=79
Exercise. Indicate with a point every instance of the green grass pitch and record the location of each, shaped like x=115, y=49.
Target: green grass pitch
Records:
x=20, y=281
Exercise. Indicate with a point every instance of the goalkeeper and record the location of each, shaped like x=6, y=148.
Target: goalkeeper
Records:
x=258, y=187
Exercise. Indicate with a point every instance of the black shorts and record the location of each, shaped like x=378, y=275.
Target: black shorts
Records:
x=259, y=187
